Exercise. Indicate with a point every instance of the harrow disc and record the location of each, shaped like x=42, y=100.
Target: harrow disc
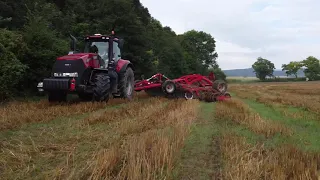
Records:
x=208, y=97
x=220, y=86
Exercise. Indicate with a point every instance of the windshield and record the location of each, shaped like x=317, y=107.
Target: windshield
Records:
x=100, y=47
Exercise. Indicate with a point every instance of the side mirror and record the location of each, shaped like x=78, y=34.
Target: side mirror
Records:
x=121, y=42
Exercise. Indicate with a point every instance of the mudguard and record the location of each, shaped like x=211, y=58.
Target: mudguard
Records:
x=122, y=65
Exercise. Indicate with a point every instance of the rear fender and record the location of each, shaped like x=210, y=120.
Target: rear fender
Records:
x=122, y=66
x=97, y=70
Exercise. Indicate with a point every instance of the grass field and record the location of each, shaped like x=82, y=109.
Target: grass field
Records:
x=266, y=131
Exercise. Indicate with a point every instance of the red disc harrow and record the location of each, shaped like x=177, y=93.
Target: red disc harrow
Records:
x=193, y=86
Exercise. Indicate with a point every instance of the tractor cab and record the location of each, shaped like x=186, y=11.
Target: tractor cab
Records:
x=107, y=47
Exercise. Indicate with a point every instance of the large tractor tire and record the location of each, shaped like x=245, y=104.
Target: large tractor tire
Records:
x=220, y=86
x=101, y=88
x=57, y=96
x=126, y=84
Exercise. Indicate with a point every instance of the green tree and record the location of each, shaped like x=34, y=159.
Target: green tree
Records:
x=44, y=45
x=12, y=70
x=219, y=74
x=263, y=68
x=167, y=51
x=199, y=50
x=292, y=68
x=312, y=67
x=46, y=24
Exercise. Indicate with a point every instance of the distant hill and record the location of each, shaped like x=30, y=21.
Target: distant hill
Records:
x=249, y=73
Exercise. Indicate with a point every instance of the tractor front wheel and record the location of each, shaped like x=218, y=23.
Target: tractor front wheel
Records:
x=101, y=88
x=126, y=84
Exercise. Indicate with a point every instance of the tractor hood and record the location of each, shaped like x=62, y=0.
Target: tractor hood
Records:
x=88, y=59
x=77, y=56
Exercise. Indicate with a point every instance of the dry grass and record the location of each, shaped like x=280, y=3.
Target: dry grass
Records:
x=148, y=145
x=239, y=112
x=306, y=95
x=16, y=114
x=245, y=161
x=131, y=109
x=139, y=141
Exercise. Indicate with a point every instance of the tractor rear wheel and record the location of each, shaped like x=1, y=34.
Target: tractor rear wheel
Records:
x=101, y=88
x=220, y=86
x=126, y=84
x=57, y=96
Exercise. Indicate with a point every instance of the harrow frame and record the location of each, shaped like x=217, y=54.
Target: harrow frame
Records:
x=192, y=86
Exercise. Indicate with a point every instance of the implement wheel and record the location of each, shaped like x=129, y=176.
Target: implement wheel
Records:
x=169, y=87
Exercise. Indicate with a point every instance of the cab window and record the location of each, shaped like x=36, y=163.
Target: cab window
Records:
x=116, y=51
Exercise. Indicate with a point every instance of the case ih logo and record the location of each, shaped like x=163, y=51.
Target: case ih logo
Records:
x=67, y=65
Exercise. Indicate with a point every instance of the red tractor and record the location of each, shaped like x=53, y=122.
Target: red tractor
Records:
x=94, y=74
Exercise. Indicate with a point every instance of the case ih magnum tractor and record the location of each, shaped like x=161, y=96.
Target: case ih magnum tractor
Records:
x=93, y=74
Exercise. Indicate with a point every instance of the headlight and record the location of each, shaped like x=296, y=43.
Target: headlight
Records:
x=75, y=74
x=40, y=84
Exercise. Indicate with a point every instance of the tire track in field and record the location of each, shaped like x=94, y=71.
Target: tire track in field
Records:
x=201, y=156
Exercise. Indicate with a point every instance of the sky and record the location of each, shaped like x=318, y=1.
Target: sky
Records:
x=278, y=30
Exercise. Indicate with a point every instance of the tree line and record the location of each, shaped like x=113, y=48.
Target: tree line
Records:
x=264, y=68
x=35, y=32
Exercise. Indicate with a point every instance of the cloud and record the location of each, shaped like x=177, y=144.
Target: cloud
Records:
x=281, y=31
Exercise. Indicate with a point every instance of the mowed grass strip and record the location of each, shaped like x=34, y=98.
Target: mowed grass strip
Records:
x=246, y=161
x=66, y=149
x=240, y=113
x=200, y=156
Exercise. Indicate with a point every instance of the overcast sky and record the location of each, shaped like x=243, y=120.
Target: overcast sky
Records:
x=278, y=30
